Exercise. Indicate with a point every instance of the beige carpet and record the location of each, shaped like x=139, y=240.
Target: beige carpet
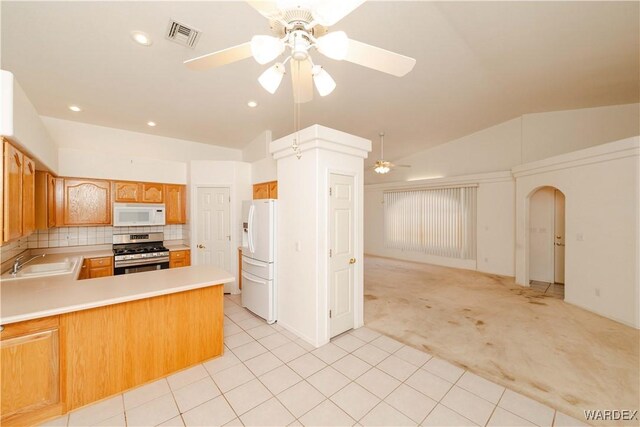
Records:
x=542, y=347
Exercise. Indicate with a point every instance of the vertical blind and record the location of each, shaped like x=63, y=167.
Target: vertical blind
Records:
x=438, y=221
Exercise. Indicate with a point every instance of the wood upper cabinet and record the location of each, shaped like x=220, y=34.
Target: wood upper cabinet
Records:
x=30, y=371
x=126, y=192
x=12, y=209
x=45, y=200
x=152, y=192
x=265, y=190
x=175, y=201
x=179, y=258
x=273, y=190
x=137, y=192
x=87, y=202
x=28, y=196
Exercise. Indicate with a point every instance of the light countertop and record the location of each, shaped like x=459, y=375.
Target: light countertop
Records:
x=33, y=298
x=176, y=246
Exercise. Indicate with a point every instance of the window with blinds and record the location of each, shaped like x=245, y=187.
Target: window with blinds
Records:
x=438, y=221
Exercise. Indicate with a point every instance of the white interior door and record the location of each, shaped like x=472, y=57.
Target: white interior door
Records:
x=214, y=237
x=559, y=238
x=341, y=260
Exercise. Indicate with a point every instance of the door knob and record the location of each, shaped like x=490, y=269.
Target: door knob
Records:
x=202, y=247
x=352, y=261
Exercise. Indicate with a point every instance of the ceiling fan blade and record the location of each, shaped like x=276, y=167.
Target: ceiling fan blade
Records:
x=393, y=165
x=379, y=59
x=220, y=58
x=302, y=81
x=329, y=12
x=266, y=8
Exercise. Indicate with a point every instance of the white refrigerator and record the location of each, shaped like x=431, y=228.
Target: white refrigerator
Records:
x=259, y=284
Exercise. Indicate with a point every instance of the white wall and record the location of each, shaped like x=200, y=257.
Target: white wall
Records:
x=100, y=152
x=521, y=140
x=602, y=209
x=232, y=174
x=495, y=219
x=303, y=246
x=541, y=229
x=263, y=167
x=22, y=124
x=550, y=134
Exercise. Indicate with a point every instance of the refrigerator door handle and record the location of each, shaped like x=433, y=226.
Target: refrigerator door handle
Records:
x=252, y=248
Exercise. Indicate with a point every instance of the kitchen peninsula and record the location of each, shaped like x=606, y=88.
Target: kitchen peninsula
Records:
x=67, y=343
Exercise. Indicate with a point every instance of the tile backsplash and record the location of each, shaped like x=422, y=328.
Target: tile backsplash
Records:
x=13, y=249
x=83, y=236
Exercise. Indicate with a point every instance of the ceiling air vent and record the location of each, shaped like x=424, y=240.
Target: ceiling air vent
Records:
x=182, y=34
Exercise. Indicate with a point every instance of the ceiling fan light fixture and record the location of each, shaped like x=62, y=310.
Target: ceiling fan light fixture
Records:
x=323, y=81
x=271, y=78
x=381, y=169
x=334, y=45
x=266, y=48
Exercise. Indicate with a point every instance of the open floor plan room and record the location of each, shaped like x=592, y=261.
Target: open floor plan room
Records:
x=320, y=213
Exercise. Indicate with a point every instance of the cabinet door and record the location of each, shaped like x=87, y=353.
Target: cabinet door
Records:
x=87, y=202
x=261, y=191
x=28, y=196
x=13, y=164
x=126, y=192
x=30, y=372
x=84, y=270
x=175, y=201
x=151, y=193
x=100, y=267
x=273, y=190
x=179, y=259
x=51, y=201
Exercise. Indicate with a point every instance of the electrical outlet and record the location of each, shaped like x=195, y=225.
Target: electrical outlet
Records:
x=580, y=237
x=486, y=260
x=597, y=292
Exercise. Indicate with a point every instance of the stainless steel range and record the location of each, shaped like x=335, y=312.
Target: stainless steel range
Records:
x=139, y=252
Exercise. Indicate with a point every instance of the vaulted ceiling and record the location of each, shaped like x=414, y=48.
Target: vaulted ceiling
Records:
x=478, y=64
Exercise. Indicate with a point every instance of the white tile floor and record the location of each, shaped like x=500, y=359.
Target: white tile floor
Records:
x=269, y=377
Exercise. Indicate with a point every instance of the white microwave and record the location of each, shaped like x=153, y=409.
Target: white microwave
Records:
x=138, y=214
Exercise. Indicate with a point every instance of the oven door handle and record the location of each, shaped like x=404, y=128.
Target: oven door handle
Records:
x=145, y=261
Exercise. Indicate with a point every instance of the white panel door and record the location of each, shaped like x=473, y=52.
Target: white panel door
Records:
x=559, y=238
x=214, y=238
x=341, y=260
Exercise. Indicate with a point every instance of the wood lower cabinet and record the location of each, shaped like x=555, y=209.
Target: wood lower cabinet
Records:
x=87, y=202
x=12, y=209
x=175, y=202
x=265, y=190
x=179, y=259
x=96, y=267
x=45, y=200
x=31, y=385
x=57, y=364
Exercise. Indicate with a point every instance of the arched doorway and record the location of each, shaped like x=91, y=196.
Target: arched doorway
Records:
x=547, y=241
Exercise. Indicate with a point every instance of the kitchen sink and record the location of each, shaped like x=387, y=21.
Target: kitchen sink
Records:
x=43, y=269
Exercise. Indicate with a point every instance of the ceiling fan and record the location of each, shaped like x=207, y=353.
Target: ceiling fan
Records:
x=381, y=166
x=299, y=27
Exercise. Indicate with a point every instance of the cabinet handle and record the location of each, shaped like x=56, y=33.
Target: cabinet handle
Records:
x=1, y=328
x=17, y=158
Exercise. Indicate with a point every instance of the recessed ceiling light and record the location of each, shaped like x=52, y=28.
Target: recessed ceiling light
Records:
x=75, y=108
x=152, y=124
x=141, y=38
x=252, y=104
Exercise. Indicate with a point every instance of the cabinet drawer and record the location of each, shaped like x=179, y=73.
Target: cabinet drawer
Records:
x=259, y=269
x=100, y=262
x=28, y=326
x=178, y=255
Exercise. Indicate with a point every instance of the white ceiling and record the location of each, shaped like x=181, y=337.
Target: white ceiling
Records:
x=478, y=64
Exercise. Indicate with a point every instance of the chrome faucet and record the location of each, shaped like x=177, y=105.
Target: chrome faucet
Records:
x=17, y=265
